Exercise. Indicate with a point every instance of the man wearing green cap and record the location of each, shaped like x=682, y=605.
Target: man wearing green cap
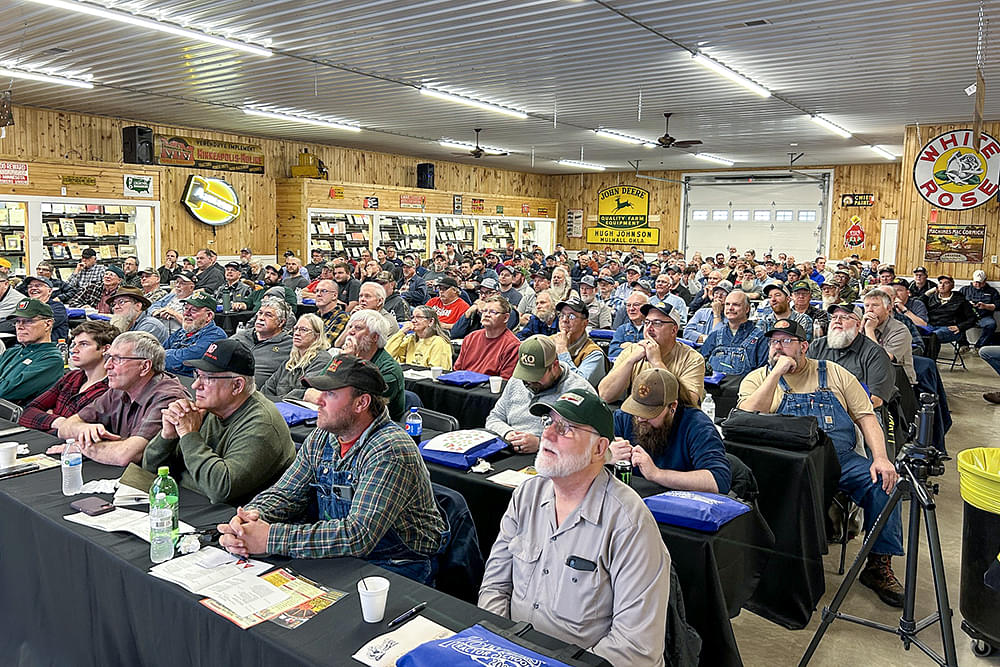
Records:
x=198, y=332
x=578, y=555
x=34, y=364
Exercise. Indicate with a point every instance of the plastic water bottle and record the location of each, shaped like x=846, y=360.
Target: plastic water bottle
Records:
x=708, y=407
x=72, y=468
x=166, y=485
x=161, y=542
x=63, y=351
x=414, y=425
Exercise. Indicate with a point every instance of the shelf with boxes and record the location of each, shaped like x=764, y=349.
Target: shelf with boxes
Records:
x=405, y=231
x=333, y=231
x=68, y=229
x=459, y=230
x=497, y=233
x=13, y=222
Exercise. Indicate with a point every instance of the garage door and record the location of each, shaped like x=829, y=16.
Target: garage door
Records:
x=767, y=213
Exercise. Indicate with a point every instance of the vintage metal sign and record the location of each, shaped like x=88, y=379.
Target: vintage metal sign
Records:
x=623, y=217
x=951, y=174
x=177, y=151
x=211, y=200
x=137, y=186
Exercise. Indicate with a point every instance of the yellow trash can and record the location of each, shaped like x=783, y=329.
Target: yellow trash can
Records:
x=979, y=478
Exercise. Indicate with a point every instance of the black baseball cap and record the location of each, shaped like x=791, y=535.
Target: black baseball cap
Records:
x=774, y=286
x=919, y=269
x=447, y=281
x=575, y=304
x=348, y=371
x=664, y=308
x=234, y=265
x=900, y=281
x=226, y=355
x=790, y=327
x=88, y=252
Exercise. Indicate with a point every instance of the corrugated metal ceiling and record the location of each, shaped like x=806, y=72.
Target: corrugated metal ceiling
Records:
x=573, y=65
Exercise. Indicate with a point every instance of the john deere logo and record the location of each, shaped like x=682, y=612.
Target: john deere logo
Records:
x=211, y=200
x=950, y=173
x=623, y=217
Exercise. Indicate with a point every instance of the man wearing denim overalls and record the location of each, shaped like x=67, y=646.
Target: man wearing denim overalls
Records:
x=795, y=385
x=357, y=487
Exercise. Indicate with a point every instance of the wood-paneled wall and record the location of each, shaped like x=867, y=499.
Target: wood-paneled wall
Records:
x=915, y=212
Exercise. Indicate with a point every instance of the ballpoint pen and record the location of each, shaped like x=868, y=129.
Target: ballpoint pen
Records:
x=407, y=615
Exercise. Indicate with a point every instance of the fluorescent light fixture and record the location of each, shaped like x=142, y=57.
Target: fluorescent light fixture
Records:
x=293, y=118
x=6, y=72
x=582, y=165
x=715, y=158
x=465, y=146
x=149, y=24
x=831, y=127
x=628, y=139
x=472, y=102
x=878, y=150
x=736, y=77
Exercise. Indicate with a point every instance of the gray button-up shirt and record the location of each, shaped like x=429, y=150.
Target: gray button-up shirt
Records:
x=618, y=609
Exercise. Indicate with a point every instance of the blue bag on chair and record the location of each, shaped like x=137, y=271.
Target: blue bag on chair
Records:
x=463, y=378
x=475, y=647
x=295, y=414
x=602, y=334
x=695, y=509
x=462, y=460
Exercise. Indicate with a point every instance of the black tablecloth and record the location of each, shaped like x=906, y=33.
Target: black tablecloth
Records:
x=718, y=572
x=796, y=489
x=229, y=320
x=73, y=595
x=469, y=406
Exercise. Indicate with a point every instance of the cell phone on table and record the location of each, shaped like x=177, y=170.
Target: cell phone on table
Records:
x=92, y=506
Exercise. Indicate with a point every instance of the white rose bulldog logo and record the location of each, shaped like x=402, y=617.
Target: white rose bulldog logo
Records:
x=951, y=174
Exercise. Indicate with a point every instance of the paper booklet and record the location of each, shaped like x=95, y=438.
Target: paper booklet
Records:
x=201, y=571
x=121, y=520
x=458, y=442
x=388, y=648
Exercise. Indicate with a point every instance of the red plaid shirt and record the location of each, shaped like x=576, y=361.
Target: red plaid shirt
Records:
x=64, y=399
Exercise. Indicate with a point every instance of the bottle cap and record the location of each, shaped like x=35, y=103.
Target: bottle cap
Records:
x=163, y=471
x=413, y=410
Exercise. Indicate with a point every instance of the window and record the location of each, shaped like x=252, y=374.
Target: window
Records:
x=741, y=216
x=720, y=216
x=784, y=216
x=699, y=215
x=761, y=216
x=807, y=216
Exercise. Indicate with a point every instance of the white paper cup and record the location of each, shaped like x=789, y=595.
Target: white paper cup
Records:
x=495, y=382
x=436, y=372
x=8, y=454
x=373, y=592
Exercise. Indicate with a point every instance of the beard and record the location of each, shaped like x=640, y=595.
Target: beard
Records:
x=587, y=300
x=838, y=340
x=550, y=464
x=121, y=322
x=827, y=301
x=654, y=439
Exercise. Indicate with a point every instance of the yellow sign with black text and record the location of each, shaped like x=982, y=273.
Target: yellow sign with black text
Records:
x=623, y=218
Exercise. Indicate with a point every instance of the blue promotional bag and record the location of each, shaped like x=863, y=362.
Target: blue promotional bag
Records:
x=695, y=509
x=602, y=334
x=475, y=647
x=462, y=460
x=463, y=378
x=295, y=414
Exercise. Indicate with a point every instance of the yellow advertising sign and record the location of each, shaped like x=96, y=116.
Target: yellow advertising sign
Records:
x=211, y=200
x=623, y=217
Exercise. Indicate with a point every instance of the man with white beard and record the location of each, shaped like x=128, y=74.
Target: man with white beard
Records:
x=861, y=356
x=128, y=313
x=605, y=582
x=829, y=293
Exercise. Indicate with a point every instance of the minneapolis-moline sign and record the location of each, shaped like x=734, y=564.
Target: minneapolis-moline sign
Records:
x=623, y=217
x=176, y=151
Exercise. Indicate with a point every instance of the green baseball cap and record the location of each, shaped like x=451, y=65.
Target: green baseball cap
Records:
x=534, y=356
x=580, y=406
x=202, y=299
x=800, y=285
x=32, y=308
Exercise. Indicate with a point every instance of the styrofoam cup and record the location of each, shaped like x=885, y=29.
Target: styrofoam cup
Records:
x=373, y=592
x=495, y=383
x=8, y=454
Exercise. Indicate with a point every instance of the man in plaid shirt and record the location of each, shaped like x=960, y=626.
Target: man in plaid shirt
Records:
x=370, y=485
x=85, y=286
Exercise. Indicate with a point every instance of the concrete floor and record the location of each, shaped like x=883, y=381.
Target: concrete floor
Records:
x=764, y=643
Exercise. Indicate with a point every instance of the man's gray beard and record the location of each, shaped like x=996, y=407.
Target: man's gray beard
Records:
x=653, y=439
x=586, y=300
x=826, y=302
x=838, y=340
x=564, y=466
x=121, y=322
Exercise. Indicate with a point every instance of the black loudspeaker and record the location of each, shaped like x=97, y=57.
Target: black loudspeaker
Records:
x=137, y=145
x=425, y=175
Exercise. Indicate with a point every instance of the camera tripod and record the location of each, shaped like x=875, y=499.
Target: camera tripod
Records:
x=916, y=463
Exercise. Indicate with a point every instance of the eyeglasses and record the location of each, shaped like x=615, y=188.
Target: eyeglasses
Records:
x=783, y=342
x=563, y=428
x=324, y=291
x=652, y=324
x=117, y=359
x=494, y=313
x=302, y=330
x=841, y=317
x=208, y=379
x=572, y=317
x=419, y=317
x=24, y=322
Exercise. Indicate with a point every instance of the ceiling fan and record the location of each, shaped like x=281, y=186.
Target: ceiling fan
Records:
x=668, y=141
x=479, y=151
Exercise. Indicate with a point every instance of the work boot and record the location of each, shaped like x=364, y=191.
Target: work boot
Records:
x=879, y=577
x=992, y=397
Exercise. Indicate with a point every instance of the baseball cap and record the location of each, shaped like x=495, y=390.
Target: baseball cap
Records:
x=849, y=308
x=920, y=269
x=773, y=286
x=580, y=406
x=645, y=285
x=447, y=281
x=234, y=265
x=794, y=270
x=800, y=285
x=490, y=283
x=31, y=308
x=588, y=281
x=383, y=277
x=844, y=271
x=724, y=285
x=243, y=250
x=500, y=268
x=899, y=281
x=663, y=308
x=202, y=299
x=574, y=303
x=945, y=275
x=32, y=279
x=115, y=270
x=534, y=356
x=273, y=267
x=606, y=279
x=886, y=269
x=226, y=355
x=348, y=371
x=186, y=277
x=632, y=267
x=652, y=391
x=88, y=252
x=790, y=327
x=133, y=293
x=147, y=271
x=829, y=283
x=979, y=276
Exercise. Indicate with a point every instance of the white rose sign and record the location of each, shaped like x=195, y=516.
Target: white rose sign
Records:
x=951, y=174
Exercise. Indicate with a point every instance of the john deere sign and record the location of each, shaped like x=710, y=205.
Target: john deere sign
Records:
x=623, y=218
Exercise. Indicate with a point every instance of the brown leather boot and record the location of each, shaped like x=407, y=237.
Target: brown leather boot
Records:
x=992, y=397
x=879, y=577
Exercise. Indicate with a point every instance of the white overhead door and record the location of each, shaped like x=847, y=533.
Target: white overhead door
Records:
x=766, y=213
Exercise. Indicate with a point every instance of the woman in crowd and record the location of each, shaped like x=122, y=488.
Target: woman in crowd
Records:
x=309, y=356
x=422, y=341
x=91, y=340
x=561, y=286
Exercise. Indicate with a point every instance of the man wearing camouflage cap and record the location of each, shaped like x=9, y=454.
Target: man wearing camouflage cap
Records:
x=34, y=364
x=197, y=332
x=578, y=555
